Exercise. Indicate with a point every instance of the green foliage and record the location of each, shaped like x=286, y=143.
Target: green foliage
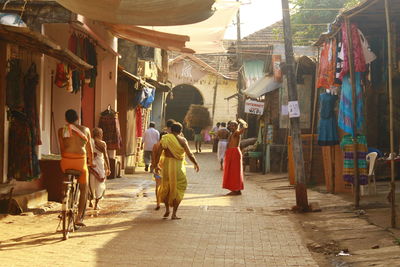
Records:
x=308, y=34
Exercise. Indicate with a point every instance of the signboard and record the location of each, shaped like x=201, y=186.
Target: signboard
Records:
x=254, y=107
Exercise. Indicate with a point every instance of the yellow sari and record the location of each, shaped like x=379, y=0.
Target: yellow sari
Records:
x=173, y=171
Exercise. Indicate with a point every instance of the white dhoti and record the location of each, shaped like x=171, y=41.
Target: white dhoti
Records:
x=222, y=144
x=97, y=176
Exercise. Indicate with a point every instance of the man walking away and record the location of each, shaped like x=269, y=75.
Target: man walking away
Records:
x=197, y=138
x=233, y=167
x=76, y=148
x=150, y=138
x=213, y=133
x=173, y=172
x=222, y=136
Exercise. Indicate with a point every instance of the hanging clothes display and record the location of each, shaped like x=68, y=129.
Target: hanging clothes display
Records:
x=23, y=163
x=348, y=167
x=327, y=65
x=14, y=90
x=359, y=60
x=327, y=130
x=148, y=97
x=109, y=123
x=139, y=122
x=84, y=48
x=31, y=80
x=339, y=59
x=346, y=118
x=24, y=129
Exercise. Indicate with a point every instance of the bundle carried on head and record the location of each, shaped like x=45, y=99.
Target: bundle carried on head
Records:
x=197, y=116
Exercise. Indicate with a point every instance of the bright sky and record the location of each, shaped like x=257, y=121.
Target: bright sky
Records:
x=255, y=15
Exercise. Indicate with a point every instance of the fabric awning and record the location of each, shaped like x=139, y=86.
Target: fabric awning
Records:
x=206, y=36
x=262, y=86
x=142, y=12
x=147, y=37
x=40, y=43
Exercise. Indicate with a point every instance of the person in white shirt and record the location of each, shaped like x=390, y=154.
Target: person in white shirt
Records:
x=150, y=138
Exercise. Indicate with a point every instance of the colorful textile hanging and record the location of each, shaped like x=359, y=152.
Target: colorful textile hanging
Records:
x=346, y=118
x=359, y=59
x=139, y=122
x=327, y=65
x=109, y=123
x=23, y=163
x=348, y=168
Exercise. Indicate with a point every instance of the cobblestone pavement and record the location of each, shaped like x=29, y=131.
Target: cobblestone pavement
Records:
x=215, y=230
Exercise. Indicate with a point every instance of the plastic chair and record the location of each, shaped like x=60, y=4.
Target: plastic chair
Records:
x=371, y=159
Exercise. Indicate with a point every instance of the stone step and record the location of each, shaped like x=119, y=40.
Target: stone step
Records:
x=31, y=199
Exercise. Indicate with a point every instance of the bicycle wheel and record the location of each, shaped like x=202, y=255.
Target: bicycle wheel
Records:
x=71, y=210
x=66, y=212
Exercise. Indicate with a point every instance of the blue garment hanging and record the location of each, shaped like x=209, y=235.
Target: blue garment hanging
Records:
x=148, y=94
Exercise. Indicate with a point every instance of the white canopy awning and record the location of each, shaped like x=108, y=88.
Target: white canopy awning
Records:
x=262, y=86
x=206, y=36
x=142, y=12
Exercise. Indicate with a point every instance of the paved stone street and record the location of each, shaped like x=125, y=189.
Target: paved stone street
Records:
x=215, y=230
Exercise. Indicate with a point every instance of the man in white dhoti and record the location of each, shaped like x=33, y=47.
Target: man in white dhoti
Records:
x=101, y=168
x=222, y=135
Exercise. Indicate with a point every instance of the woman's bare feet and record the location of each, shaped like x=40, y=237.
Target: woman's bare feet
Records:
x=166, y=214
x=174, y=217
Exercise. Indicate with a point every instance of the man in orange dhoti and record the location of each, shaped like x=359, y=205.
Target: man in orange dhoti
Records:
x=76, y=149
x=233, y=167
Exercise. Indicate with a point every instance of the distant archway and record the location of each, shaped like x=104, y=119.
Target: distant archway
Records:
x=179, y=101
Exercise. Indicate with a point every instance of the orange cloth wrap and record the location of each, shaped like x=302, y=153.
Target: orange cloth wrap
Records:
x=75, y=162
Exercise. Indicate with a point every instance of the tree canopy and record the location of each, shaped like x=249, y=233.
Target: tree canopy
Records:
x=310, y=18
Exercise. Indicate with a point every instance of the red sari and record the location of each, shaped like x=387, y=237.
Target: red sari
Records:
x=233, y=170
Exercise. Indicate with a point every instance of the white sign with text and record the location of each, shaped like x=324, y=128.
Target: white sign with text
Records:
x=254, y=107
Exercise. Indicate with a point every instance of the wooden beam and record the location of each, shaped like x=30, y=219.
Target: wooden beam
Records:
x=3, y=67
x=392, y=193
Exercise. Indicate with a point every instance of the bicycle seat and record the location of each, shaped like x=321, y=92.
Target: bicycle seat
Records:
x=73, y=172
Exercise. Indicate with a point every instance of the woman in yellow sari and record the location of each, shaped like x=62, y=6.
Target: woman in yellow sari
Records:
x=173, y=172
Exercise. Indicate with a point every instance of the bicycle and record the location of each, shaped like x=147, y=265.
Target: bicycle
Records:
x=69, y=210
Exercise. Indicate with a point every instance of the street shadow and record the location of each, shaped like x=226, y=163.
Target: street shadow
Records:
x=33, y=240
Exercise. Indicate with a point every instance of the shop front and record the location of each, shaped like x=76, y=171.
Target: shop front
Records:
x=359, y=114
x=21, y=116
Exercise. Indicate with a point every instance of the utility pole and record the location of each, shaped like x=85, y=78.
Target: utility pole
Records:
x=301, y=189
x=239, y=61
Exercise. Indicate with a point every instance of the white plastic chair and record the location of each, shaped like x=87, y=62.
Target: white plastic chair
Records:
x=371, y=159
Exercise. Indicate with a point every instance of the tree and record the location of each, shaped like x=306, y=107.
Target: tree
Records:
x=311, y=17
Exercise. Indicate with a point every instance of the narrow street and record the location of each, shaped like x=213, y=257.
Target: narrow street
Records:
x=215, y=230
